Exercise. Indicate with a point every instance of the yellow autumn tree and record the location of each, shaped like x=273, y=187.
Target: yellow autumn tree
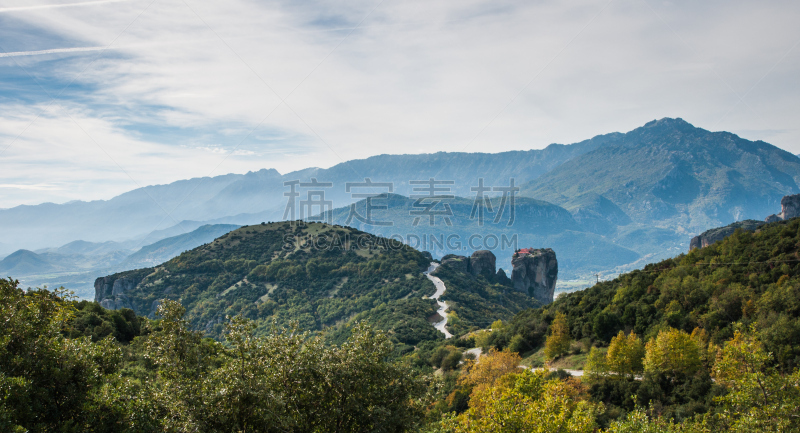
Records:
x=672, y=352
x=527, y=402
x=623, y=359
x=483, y=373
x=625, y=355
x=559, y=340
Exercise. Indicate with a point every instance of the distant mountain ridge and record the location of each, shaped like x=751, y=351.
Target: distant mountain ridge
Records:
x=165, y=249
x=536, y=223
x=76, y=264
x=607, y=205
x=674, y=175
x=259, y=195
x=22, y=262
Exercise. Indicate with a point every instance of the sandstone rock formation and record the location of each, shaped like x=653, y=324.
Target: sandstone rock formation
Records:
x=481, y=262
x=790, y=208
x=535, y=271
x=709, y=237
x=456, y=262
x=110, y=292
x=502, y=278
x=484, y=263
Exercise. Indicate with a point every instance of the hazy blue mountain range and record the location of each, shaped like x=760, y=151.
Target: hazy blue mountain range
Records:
x=536, y=223
x=670, y=174
x=606, y=205
x=168, y=248
x=258, y=196
x=88, y=248
x=77, y=264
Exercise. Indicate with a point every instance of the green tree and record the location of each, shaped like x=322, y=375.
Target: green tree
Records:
x=596, y=365
x=286, y=381
x=759, y=398
x=637, y=421
x=49, y=382
x=559, y=340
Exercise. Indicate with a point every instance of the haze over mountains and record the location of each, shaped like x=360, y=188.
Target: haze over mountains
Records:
x=241, y=198
x=77, y=264
x=608, y=204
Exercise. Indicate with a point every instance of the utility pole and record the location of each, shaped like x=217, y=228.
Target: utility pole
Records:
x=598, y=277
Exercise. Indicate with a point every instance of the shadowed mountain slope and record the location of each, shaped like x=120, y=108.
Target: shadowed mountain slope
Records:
x=671, y=174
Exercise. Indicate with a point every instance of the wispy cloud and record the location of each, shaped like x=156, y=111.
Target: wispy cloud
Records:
x=52, y=51
x=33, y=187
x=57, y=5
x=415, y=76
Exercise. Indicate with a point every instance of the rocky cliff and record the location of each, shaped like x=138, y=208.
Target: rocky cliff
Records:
x=456, y=262
x=790, y=208
x=112, y=292
x=535, y=271
x=482, y=262
x=709, y=237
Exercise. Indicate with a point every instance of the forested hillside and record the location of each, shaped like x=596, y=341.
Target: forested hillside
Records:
x=747, y=279
x=314, y=274
x=705, y=342
x=671, y=322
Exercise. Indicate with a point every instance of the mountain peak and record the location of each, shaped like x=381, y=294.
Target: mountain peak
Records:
x=669, y=122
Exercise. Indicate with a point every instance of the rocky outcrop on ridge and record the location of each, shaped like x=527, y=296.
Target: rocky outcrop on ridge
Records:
x=484, y=263
x=118, y=291
x=501, y=278
x=456, y=262
x=481, y=262
x=709, y=237
x=110, y=292
x=535, y=271
x=790, y=208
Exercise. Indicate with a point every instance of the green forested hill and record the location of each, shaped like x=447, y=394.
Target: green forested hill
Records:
x=315, y=274
x=713, y=347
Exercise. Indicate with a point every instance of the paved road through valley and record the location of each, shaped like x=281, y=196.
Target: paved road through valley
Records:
x=440, y=288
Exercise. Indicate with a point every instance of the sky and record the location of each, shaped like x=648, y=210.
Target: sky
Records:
x=98, y=97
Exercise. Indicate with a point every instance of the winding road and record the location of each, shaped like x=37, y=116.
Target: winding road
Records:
x=440, y=288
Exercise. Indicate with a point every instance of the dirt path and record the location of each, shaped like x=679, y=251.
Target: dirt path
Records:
x=440, y=288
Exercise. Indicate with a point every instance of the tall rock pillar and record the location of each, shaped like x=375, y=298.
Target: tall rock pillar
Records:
x=790, y=208
x=535, y=271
